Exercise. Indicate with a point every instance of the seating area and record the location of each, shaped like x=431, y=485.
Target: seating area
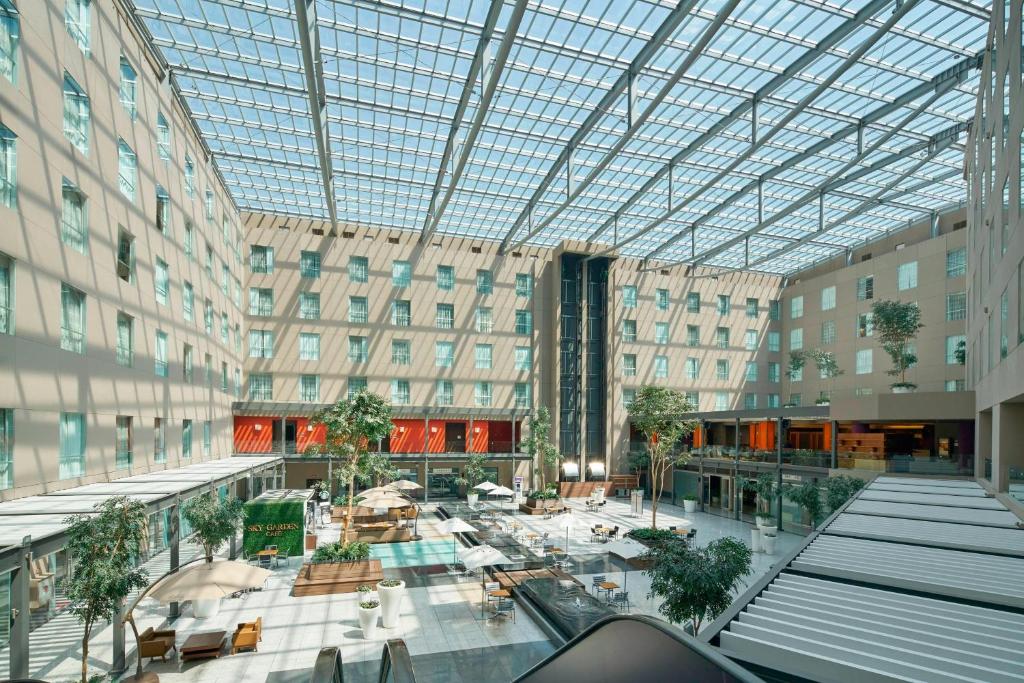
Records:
x=154, y=643
x=247, y=636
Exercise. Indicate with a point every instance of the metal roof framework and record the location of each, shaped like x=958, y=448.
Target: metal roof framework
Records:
x=686, y=131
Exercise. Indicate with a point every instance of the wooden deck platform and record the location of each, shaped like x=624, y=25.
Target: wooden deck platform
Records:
x=336, y=577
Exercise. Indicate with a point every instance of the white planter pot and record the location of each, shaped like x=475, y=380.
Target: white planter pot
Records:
x=472, y=498
x=769, y=530
x=368, y=621
x=690, y=505
x=903, y=390
x=755, y=540
x=768, y=544
x=204, y=609
x=762, y=522
x=390, y=603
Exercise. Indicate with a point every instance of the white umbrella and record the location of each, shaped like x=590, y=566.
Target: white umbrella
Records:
x=482, y=556
x=486, y=486
x=627, y=549
x=386, y=499
x=404, y=485
x=501, y=491
x=375, y=491
x=209, y=580
x=455, y=525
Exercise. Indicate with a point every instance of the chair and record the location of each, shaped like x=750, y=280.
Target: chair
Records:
x=597, y=581
x=671, y=528
x=247, y=635
x=504, y=608
x=264, y=561
x=691, y=535
x=615, y=532
x=620, y=600
x=154, y=644
x=488, y=588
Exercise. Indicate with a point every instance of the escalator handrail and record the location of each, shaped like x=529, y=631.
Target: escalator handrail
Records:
x=396, y=663
x=703, y=649
x=328, y=667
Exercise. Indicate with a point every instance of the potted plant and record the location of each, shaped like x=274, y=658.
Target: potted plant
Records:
x=690, y=503
x=828, y=369
x=472, y=474
x=369, y=610
x=391, y=592
x=765, y=489
x=897, y=324
x=365, y=591
x=808, y=496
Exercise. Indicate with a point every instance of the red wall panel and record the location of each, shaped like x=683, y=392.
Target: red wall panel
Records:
x=477, y=441
x=500, y=436
x=304, y=436
x=437, y=436
x=407, y=436
x=250, y=440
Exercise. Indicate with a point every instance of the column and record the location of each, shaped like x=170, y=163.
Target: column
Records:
x=982, y=443
x=1007, y=435
x=470, y=438
x=117, y=662
x=834, y=426
x=426, y=460
x=284, y=440
x=175, y=550
x=18, y=646
x=778, y=470
x=737, y=494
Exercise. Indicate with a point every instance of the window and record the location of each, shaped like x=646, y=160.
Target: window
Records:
x=356, y=385
x=401, y=273
x=261, y=387
x=828, y=298
x=629, y=365
x=796, y=307
x=628, y=296
x=774, y=310
x=161, y=282
x=749, y=401
x=628, y=396
x=1004, y=322
x=774, y=341
x=261, y=344
x=484, y=282
x=796, y=339
x=721, y=400
x=8, y=167
x=74, y=217
x=750, y=340
x=693, y=302
x=445, y=392
x=722, y=337
x=445, y=319
x=751, y=373
x=71, y=461
x=724, y=304
x=72, y=319
x=523, y=358
x=357, y=349
x=401, y=315
x=660, y=367
x=209, y=260
x=400, y=392
x=691, y=368
x=752, y=307
x=10, y=34
x=125, y=351
x=160, y=354
x=484, y=356
x=795, y=399
x=661, y=299
x=261, y=259
x=190, y=241
x=863, y=362
x=208, y=205
x=358, y=269
x=523, y=395
x=524, y=285
x=482, y=394
x=309, y=346
x=446, y=278
x=163, y=137
x=309, y=388
x=865, y=326
x=484, y=320
x=358, y=309
x=692, y=335
x=126, y=169
x=309, y=305
x=444, y=354
x=865, y=288
x=629, y=330
x=906, y=275
x=661, y=333
x=76, y=19
x=207, y=437
x=163, y=210
x=828, y=332
x=190, y=177
x=773, y=372
x=956, y=262
x=722, y=369
x=309, y=264
x=208, y=316
x=401, y=352
x=956, y=306
x=76, y=114
x=123, y=442
x=773, y=401
x=952, y=342
x=186, y=363
x=208, y=369
x=524, y=322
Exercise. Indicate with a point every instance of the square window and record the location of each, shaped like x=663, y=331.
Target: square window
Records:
x=693, y=302
x=484, y=356
x=358, y=269
x=309, y=388
x=828, y=298
x=629, y=365
x=629, y=296
x=956, y=262
x=261, y=344
x=484, y=282
x=484, y=320
x=863, y=362
x=523, y=358
x=401, y=352
x=401, y=313
x=444, y=354
x=828, y=332
x=357, y=349
x=71, y=461
x=309, y=305
x=524, y=322
x=523, y=395
x=524, y=285
x=629, y=330
x=906, y=275
x=483, y=394
x=865, y=288
x=309, y=264
x=724, y=304
x=445, y=319
x=309, y=346
x=401, y=273
x=72, y=319
x=445, y=392
x=358, y=310
x=660, y=367
x=661, y=333
x=796, y=307
x=752, y=307
x=76, y=114
x=446, y=278
x=661, y=299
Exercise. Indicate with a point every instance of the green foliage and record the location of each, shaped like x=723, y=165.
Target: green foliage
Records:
x=287, y=517
x=342, y=552
x=473, y=473
x=896, y=324
x=807, y=496
x=697, y=583
x=797, y=360
x=638, y=460
x=365, y=588
x=961, y=352
x=543, y=494
x=370, y=604
x=839, y=489
x=766, y=489
x=825, y=361
x=376, y=469
x=104, y=547
x=213, y=521
x=390, y=583
x=690, y=497
x=652, y=536
x=537, y=444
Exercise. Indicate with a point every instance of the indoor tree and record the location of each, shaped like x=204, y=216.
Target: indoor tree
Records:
x=213, y=520
x=350, y=425
x=896, y=324
x=105, y=546
x=828, y=367
x=376, y=469
x=766, y=491
x=473, y=473
x=838, y=490
x=543, y=454
x=657, y=412
x=696, y=583
x=808, y=496
x=797, y=360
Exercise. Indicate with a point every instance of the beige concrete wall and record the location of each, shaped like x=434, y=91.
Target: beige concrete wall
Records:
x=39, y=380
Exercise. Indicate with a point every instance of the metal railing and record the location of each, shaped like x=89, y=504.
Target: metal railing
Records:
x=395, y=665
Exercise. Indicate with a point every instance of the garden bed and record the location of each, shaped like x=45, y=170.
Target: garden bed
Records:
x=327, y=578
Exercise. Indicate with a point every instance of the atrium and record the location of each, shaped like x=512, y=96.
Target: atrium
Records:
x=509, y=340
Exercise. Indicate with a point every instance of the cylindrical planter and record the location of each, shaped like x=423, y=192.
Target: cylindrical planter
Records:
x=390, y=603
x=368, y=621
x=690, y=505
x=472, y=497
x=755, y=540
x=204, y=609
x=769, y=530
x=768, y=543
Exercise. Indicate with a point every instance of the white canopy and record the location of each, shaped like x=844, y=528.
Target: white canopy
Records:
x=482, y=556
x=486, y=486
x=501, y=491
x=404, y=485
x=455, y=525
x=209, y=580
x=626, y=548
x=387, y=499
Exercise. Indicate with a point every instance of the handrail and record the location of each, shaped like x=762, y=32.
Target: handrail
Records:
x=395, y=663
x=607, y=651
x=328, y=667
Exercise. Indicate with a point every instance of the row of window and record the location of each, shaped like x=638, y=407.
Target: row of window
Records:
x=722, y=336
x=691, y=368
x=261, y=388
x=693, y=302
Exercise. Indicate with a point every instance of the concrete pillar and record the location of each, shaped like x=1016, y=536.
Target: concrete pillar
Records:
x=982, y=443
x=284, y=440
x=834, y=426
x=426, y=460
x=117, y=660
x=470, y=437
x=1007, y=436
x=737, y=495
x=17, y=647
x=778, y=471
x=175, y=550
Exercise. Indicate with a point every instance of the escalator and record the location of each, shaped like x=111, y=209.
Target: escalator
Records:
x=617, y=648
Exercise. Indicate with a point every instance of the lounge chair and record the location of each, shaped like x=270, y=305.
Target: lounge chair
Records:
x=154, y=644
x=247, y=635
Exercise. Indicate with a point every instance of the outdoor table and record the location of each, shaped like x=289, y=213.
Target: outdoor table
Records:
x=203, y=645
x=607, y=587
x=267, y=553
x=500, y=593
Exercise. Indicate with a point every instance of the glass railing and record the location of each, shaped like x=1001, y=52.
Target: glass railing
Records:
x=1017, y=483
x=909, y=463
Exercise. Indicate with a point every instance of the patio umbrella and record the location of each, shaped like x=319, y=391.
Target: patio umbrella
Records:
x=387, y=488
x=209, y=581
x=386, y=499
x=482, y=556
x=455, y=525
x=627, y=549
x=500, y=491
x=404, y=485
x=486, y=486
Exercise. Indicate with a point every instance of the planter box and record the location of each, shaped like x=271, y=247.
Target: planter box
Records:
x=326, y=578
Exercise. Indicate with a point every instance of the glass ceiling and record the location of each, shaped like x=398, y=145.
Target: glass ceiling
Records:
x=623, y=122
